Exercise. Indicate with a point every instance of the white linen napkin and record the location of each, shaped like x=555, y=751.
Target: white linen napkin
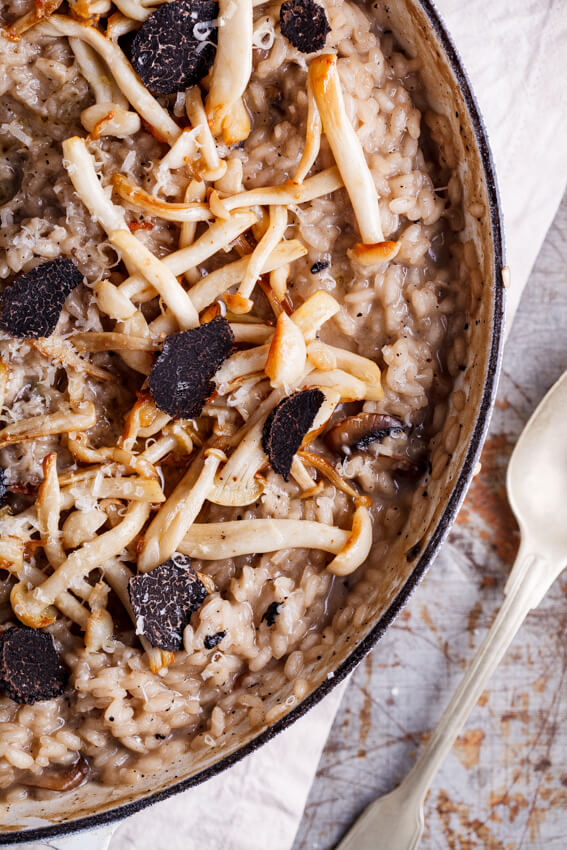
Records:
x=515, y=52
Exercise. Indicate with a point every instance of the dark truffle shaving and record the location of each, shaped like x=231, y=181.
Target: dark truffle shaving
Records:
x=163, y=601
x=3, y=488
x=319, y=266
x=271, y=612
x=287, y=425
x=30, y=668
x=304, y=24
x=176, y=46
x=31, y=306
x=213, y=640
x=181, y=378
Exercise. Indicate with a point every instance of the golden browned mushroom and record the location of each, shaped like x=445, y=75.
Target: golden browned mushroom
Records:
x=346, y=146
x=356, y=432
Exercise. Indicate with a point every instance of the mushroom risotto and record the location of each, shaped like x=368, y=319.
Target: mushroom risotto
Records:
x=233, y=307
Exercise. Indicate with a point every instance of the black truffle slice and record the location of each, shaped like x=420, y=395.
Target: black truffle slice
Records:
x=30, y=668
x=3, y=488
x=175, y=47
x=287, y=425
x=271, y=612
x=304, y=24
x=213, y=640
x=163, y=601
x=31, y=306
x=180, y=380
x=319, y=266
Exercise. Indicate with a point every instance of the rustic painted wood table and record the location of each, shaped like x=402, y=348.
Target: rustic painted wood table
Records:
x=504, y=786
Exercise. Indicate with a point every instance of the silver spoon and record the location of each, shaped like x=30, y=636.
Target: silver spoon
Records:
x=537, y=487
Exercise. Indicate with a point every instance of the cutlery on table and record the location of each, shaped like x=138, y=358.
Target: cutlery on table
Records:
x=537, y=486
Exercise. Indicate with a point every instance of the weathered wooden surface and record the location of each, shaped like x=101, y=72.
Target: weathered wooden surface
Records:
x=504, y=786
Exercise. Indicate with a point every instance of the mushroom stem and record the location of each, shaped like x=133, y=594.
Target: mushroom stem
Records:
x=31, y=606
x=48, y=509
x=47, y=424
x=312, y=138
x=328, y=357
x=216, y=283
x=289, y=193
x=213, y=541
x=358, y=546
x=81, y=170
x=346, y=146
x=96, y=73
x=271, y=238
x=215, y=167
x=129, y=84
x=175, y=517
x=159, y=275
x=219, y=235
x=232, y=67
x=138, y=198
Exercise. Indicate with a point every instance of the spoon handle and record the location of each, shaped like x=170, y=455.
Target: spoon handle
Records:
x=530, y=579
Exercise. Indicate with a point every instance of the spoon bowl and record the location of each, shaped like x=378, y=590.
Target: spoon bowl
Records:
x=537, y=474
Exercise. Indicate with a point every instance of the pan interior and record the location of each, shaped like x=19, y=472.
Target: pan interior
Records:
x=434, y=504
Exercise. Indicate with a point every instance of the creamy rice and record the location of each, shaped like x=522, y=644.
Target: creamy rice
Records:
x=408, y=315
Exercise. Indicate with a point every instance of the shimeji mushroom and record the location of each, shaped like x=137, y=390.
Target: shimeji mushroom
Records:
x=62, y=351
x=241, y=363
x=288, y=193
x=313, y=313
x=157, y=273
x=48, y=506
x=214, y=167
x=139, y=199
x=110, y=115
x=374, y=255
x=138, y=10
x=346, y=147
x=38, y=13
x=348, y=387
x=33, y=607
x=216, y=283
x=239, y=483
x=328, y=357
x=214, y=541
x=182, y=154
x=231, y=72
x=271, y=238
x=128, y=82
x=285, y=363
x=312, y=138
x=80, y=167
x=174, y=518
x=47, y=424
x=219, y=235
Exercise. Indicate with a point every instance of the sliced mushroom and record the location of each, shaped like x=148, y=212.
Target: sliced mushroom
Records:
x=60, y=779
x=357, y=432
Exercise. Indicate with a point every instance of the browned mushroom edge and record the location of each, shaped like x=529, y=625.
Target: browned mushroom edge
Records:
x=357, y=432
x=60, y=779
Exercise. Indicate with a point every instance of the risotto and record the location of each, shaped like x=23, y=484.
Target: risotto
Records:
x=233, y=306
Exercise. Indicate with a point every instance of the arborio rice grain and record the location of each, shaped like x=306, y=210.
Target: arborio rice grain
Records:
x=407, y=315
